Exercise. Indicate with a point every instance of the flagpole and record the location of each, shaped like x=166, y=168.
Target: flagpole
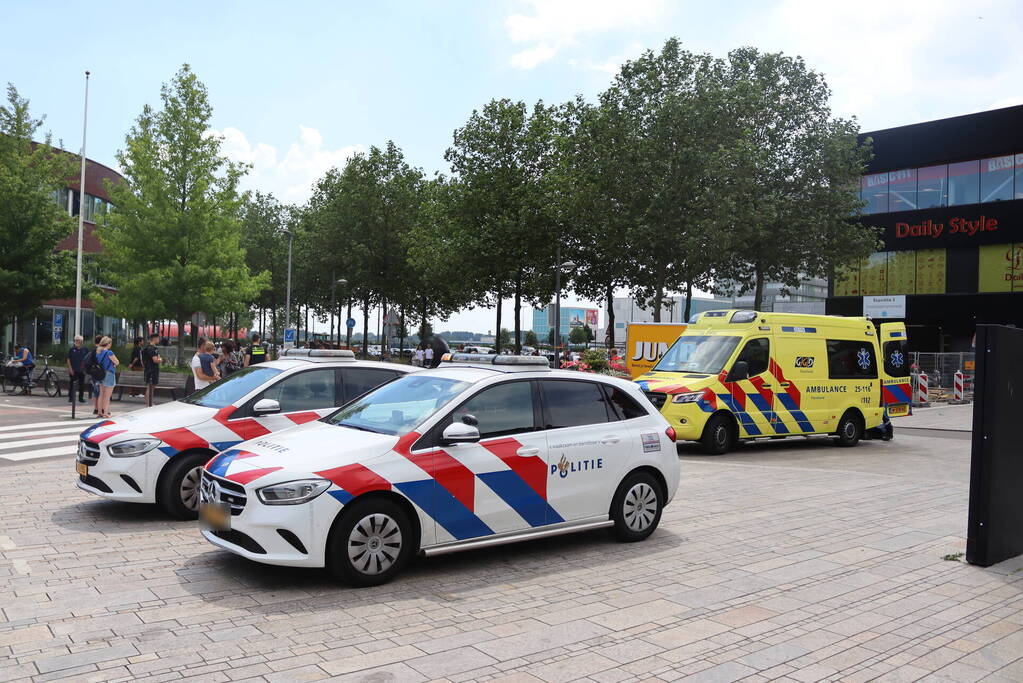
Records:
x=81, y=216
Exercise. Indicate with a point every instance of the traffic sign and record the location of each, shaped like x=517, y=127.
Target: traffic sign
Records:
x=350, y=322
x=289, y=335
x=58, y=320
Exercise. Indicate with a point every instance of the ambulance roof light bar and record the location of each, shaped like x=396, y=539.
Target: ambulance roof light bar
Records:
x=318, y=354
x=498, y=361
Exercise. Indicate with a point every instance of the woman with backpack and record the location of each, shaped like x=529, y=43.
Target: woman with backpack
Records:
x=107, y=360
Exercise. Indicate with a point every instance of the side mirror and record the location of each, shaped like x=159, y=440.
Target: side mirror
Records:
x=266, y=406
x=739, y=371
x=459, y=432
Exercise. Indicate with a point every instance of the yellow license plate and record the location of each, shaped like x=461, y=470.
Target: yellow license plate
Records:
x=898, y=411
x=82, y=469
x=215, y=515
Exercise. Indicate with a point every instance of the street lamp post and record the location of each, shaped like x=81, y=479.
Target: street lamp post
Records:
x=81, y=217
x=333, y=304
x=558, y=268
x=287, y=295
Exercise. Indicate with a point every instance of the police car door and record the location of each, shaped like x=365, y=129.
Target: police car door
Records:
x=587, y=448
x=500, y=483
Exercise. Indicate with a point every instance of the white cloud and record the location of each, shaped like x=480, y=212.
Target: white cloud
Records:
x=894, y=63
x=290, y=178
x=612, y=64
x=555, y=24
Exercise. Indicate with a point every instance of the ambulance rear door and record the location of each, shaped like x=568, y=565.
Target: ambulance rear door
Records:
x=897, y=389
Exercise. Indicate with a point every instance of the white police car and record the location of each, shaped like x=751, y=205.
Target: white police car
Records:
x=480, y=451
x=156, y=454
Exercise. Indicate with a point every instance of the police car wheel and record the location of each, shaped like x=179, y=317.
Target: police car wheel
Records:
x=718, y=436
x=850, y=429
x=636, y=507
x=370, y=543
x=178, y=491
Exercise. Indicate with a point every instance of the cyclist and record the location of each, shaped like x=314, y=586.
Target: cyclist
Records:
x=23, y=355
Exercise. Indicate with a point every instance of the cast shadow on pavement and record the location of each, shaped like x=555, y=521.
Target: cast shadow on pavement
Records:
x=268, y=589
x=113, y=517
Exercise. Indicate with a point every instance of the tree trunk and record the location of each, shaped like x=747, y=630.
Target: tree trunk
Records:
x=658, y=300
x=401, y=333
x=758, y=291
x=610, y=294
x=689, y=302
x=365, y=328
x=422, y=321
x=518, y=306
x=180, y=318
x=497, y=331
x=348, y=330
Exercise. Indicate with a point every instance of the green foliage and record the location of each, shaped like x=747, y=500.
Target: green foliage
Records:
x=596, y=359
x=577, y=335
x=31, y=221
x=531, y=339
x=173, y=244
x=505, y=337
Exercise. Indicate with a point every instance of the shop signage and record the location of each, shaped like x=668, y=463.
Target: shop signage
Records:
x=957, y=225
x=991, y=223
x=885, y=306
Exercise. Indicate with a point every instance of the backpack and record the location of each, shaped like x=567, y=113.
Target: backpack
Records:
x=93, y=368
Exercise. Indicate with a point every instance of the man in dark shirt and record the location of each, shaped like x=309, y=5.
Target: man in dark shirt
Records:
x=151, y=367
x=255, y=353
x=76, y=370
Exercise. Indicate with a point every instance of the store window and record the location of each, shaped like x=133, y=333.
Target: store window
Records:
x=996, y=179
x=902, y=190
x=1019, y=177
x=964, y=183
x=874, y=191
x=932, y=186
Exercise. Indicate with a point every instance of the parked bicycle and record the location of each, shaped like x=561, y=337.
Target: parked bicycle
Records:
x=16, y=377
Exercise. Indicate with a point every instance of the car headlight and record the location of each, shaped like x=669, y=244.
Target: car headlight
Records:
x=129, y=449
x=689, y=397
x=293, y=492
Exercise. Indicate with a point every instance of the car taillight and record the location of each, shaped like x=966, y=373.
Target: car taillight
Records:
x=670, y=431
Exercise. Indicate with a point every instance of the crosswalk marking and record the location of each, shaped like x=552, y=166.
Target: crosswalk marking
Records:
x=40, y=440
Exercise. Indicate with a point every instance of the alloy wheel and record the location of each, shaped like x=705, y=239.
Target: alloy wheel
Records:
x=640, y=506
x=190, y=488
x=374, y=544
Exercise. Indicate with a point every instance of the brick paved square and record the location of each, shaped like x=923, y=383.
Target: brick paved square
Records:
x=789, y=559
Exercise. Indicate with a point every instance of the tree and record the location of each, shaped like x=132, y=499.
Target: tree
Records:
x=531, y=339
x=577, y=335
x=173, y=243
x=504, y=338
x=31, y=221
x=785, y=174
x=263, y=222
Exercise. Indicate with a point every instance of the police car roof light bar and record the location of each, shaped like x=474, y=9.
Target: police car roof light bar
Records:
x=522, y=362
x=333, y=354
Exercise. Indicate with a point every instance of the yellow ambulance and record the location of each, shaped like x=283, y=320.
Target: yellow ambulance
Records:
x=739, y=374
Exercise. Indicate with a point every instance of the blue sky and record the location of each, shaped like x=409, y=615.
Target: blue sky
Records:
x=297, y=87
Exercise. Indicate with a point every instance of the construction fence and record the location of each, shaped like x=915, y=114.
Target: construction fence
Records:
x=941, y=369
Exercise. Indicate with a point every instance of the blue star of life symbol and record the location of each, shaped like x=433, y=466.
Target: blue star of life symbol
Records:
x=897, y=359
x=863, y=358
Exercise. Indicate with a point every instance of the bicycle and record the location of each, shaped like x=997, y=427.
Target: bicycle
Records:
x=15, y=378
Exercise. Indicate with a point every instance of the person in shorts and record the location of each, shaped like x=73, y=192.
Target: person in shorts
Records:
x=151, y=367
x=109, y=362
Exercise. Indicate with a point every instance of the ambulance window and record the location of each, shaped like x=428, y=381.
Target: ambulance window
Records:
x=501, y=410
x=896, y=359
x=851, y=360
x=756, y=353
x=572, y=403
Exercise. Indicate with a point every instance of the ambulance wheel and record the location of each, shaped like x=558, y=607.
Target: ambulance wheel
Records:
x=850, y=429
x=178, y=491
x=719, y=435
x=372, y=540
x=636, y=507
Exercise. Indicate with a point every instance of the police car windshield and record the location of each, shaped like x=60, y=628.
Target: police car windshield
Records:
x=228, y=390
x=398, y=407
x=705, y=355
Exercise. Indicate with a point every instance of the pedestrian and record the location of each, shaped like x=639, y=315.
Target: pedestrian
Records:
x=135, y=363
x=417, y=357
x=93, y=384
x=76, y=370
x=203, y=376
x=23, y=355
x=230, y=359
x=256, y=353
x=151, y=361
x=428, y=356
x=107, y=360
x=566, y=356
